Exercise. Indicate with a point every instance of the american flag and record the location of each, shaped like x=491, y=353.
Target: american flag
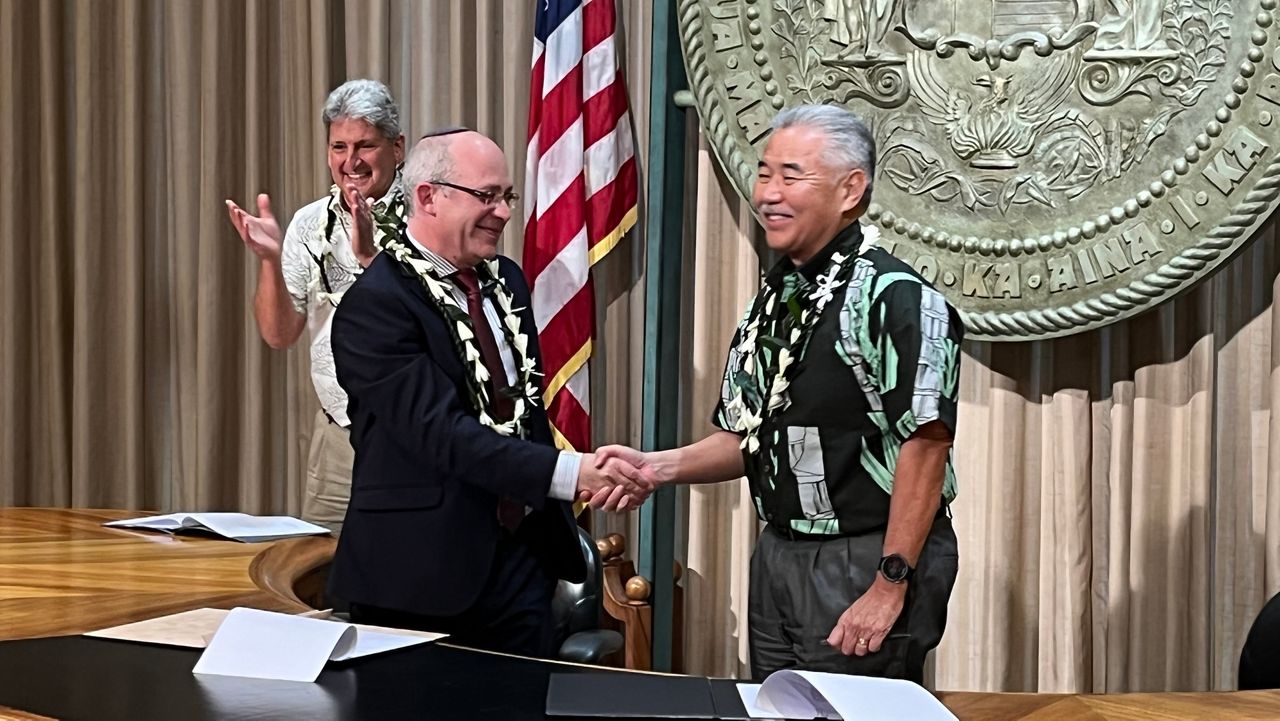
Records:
x=581, y=185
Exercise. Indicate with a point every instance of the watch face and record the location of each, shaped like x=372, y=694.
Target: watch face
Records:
x=895, y=568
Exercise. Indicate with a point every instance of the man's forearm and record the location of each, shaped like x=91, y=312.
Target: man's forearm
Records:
x=713, y=459
x=917, y=489
x=278, y=322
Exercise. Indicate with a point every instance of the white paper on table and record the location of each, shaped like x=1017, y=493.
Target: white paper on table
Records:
x=235, y=526
x=194, y=628
x=748, y=692
x=369, y=641
x=245, y=526
x=261, y=644
x=809, y=694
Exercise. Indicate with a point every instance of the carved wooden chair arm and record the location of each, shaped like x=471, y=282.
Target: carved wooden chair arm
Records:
x=626, y=602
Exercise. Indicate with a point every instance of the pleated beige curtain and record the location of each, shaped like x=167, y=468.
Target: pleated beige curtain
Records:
x=1130, y=498
x=133, y=374
x=1119, y=506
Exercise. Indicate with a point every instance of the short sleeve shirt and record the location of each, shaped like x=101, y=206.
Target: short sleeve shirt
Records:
x=895, y=341
x=319, y=266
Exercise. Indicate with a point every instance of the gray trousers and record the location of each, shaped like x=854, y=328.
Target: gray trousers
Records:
x=799, y=589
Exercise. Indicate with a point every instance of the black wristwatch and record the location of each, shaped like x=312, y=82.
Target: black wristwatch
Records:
x=895, y=568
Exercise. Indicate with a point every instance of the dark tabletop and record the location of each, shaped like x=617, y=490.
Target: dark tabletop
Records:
x=74, y=678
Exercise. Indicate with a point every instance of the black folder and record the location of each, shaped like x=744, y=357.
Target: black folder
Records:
x=642, y=695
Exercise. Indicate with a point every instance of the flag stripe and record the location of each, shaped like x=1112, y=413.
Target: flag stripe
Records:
x=598, y=22
x=606, y=157
x=577, y=362
x=565, y=444
x=608, y=208
x=610, y=241
x=561, y=339
x=598, y=70
x=561, y=164
x=560, y=280
x=531, y=185
x=557, y=227
x=571, y=420
x=603, y=114
x=561, y=108
x=563, y=51
x=579, y=386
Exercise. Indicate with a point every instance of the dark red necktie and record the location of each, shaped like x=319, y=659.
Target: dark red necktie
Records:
x=503, y=406
x=510, y=512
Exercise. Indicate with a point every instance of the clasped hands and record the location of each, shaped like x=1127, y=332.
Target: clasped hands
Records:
x=617, y=478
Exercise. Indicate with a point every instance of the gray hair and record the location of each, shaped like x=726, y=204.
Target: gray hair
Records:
x=430, y=160
x=850, y=144
x=367, y=100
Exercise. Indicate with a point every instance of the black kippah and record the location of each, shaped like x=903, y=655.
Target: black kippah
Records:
x=448, y=130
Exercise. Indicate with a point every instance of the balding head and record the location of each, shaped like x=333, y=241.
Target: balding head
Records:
x=457, y=185
x=429, y=159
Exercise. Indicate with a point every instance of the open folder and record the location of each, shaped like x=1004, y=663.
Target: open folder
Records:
x=784, y=695
x=812, y=694
x=235, y=526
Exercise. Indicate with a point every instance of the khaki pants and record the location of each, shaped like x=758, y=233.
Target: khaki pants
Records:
x=328, y=474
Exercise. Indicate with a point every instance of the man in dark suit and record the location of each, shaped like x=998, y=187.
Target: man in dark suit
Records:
x=460, y=518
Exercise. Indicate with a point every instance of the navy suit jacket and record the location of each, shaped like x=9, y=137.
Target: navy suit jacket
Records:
x=421, y=528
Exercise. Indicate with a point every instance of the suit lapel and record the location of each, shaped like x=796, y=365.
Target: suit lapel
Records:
x=441, y=342
x=432, y=321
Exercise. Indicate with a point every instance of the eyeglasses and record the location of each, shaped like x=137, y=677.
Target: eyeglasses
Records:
x=488, y=197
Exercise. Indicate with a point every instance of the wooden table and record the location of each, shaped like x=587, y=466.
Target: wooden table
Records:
x=62, y=573
x=1235, y=705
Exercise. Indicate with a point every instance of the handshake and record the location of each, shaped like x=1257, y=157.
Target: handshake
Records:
x=618, y=478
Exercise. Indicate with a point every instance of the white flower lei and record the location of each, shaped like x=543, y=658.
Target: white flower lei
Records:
x=387, y=220
x=458, y=320
x=749, y=421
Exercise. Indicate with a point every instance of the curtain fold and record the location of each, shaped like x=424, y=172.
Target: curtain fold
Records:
x=1119, y=508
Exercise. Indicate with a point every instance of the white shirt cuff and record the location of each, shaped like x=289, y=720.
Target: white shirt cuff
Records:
x=564, y=482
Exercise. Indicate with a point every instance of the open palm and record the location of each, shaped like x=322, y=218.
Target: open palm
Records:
x=260, y=233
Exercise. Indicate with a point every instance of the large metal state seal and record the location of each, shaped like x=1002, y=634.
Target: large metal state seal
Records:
x=1051, y=165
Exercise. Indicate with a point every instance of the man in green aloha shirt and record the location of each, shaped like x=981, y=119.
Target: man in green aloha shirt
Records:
x=839, y=406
